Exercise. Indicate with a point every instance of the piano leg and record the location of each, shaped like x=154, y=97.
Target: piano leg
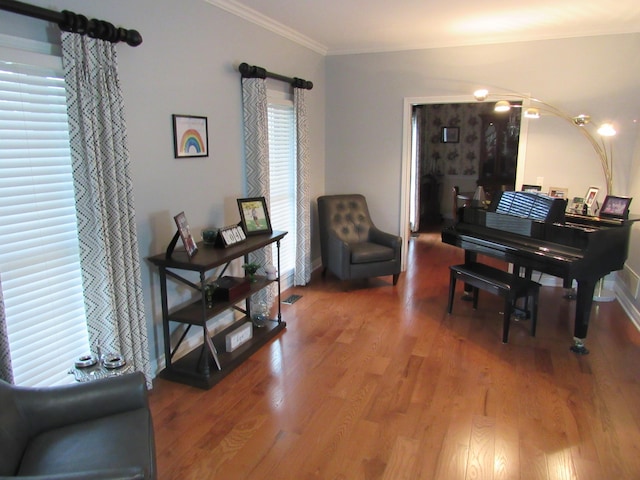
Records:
x=584, y=301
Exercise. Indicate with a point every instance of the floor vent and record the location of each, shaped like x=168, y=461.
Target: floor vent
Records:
x=291, y=299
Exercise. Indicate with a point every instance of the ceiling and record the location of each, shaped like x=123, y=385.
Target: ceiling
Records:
x=334, y=27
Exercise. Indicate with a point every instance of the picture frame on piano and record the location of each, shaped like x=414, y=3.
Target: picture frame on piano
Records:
x=615, y=207
x=590, y=197
x=531, y=188
x=558, y=192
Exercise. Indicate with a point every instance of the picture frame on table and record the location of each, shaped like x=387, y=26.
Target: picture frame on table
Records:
x=185, y=234
x=190, y=136
x=615, y=207
x=254, y=216
x=531, y=188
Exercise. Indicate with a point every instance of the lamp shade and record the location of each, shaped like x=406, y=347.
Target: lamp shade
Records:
x=502, y=106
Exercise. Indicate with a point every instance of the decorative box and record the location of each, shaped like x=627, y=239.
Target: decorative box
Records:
x=229, y=289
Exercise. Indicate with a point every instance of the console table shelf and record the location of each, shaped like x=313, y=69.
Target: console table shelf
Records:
x=206, y=365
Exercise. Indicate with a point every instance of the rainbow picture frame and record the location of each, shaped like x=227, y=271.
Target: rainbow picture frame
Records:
x=190, y=136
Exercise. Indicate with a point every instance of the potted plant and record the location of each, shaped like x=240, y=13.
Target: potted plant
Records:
x=250, y=270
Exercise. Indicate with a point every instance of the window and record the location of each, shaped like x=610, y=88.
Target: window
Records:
x=39, y=260
x=282, y=178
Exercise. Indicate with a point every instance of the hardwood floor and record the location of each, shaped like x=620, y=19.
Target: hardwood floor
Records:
x=371, y=381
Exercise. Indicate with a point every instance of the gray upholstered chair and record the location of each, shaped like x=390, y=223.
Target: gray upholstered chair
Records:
x=95, y=430
x=351, y=245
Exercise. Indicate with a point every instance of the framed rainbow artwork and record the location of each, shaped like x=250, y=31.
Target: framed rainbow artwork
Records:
x=190, y=136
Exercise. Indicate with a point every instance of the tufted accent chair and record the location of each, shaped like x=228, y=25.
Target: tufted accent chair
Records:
x=351, y=245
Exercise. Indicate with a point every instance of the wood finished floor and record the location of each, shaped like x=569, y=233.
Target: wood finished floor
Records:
x=371, y=381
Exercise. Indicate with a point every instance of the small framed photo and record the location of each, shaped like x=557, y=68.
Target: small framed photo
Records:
x=590, y=197
x=185, y=234
x=190, y=136
x=615, y=207
x=254, y=215
x=531, y=188
x=450, y=135
x=576, y=204
x=558, y=192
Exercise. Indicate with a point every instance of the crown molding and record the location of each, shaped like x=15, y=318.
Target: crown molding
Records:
x=268, y=23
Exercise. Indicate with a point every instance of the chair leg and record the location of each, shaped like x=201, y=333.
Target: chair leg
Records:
x=395, y=278
x=476, y=294
x=452, y=290
x=324, y=272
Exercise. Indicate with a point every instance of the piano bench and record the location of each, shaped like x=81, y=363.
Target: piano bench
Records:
x=498, y=282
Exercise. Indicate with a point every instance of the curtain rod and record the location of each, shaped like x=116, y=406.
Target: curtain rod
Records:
x=249, y=71
x=75, y=23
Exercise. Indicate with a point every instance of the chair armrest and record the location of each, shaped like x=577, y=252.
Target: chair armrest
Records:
x=384, y=238
x=128, y=473
x=53, y=407
x=339, y=256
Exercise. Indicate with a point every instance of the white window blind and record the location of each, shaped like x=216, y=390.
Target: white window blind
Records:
x=282, y=177
x=39, y=260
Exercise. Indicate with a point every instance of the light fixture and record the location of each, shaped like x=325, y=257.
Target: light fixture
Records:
x=502, y=106
x=580, y=121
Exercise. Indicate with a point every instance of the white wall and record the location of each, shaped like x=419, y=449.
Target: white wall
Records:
x=188, y=64
x=596, y=75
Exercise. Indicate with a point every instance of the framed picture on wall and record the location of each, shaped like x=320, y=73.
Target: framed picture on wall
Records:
x=190, y=136
x=450, y=135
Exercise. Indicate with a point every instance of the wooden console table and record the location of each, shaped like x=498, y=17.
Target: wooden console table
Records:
x=207, y=365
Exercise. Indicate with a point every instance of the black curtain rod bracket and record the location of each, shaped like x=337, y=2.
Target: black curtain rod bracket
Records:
x=249, y=71
x=75, y=23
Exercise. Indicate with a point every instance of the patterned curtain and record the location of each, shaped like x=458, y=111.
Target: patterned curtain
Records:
x=6, y=371
x=104, y=201
x=256, y=145
x=302, y=274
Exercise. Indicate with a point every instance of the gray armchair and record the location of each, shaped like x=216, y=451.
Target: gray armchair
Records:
x=95, y=430
x=351, y=245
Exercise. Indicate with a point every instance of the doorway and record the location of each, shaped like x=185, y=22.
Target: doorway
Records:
x=453, y=161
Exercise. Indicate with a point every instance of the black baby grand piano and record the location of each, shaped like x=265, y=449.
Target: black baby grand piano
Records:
x=532, y=231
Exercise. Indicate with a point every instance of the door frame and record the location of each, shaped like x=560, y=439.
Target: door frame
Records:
x=405, y=189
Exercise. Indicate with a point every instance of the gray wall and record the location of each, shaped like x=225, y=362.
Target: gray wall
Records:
x=595, y=75
x=187, y=64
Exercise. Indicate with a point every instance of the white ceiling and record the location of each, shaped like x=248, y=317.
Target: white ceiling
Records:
x=334, y=27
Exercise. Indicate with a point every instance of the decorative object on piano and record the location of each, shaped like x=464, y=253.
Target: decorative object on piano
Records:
x=190, y=136
x=582, y=122
x=590, y=199
x=254, y=215
x=450, y=135
x=576, y=205
x=531, y=188
x=615, y=207
x=184, y=232
x=558, y=192
x=226, y=236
